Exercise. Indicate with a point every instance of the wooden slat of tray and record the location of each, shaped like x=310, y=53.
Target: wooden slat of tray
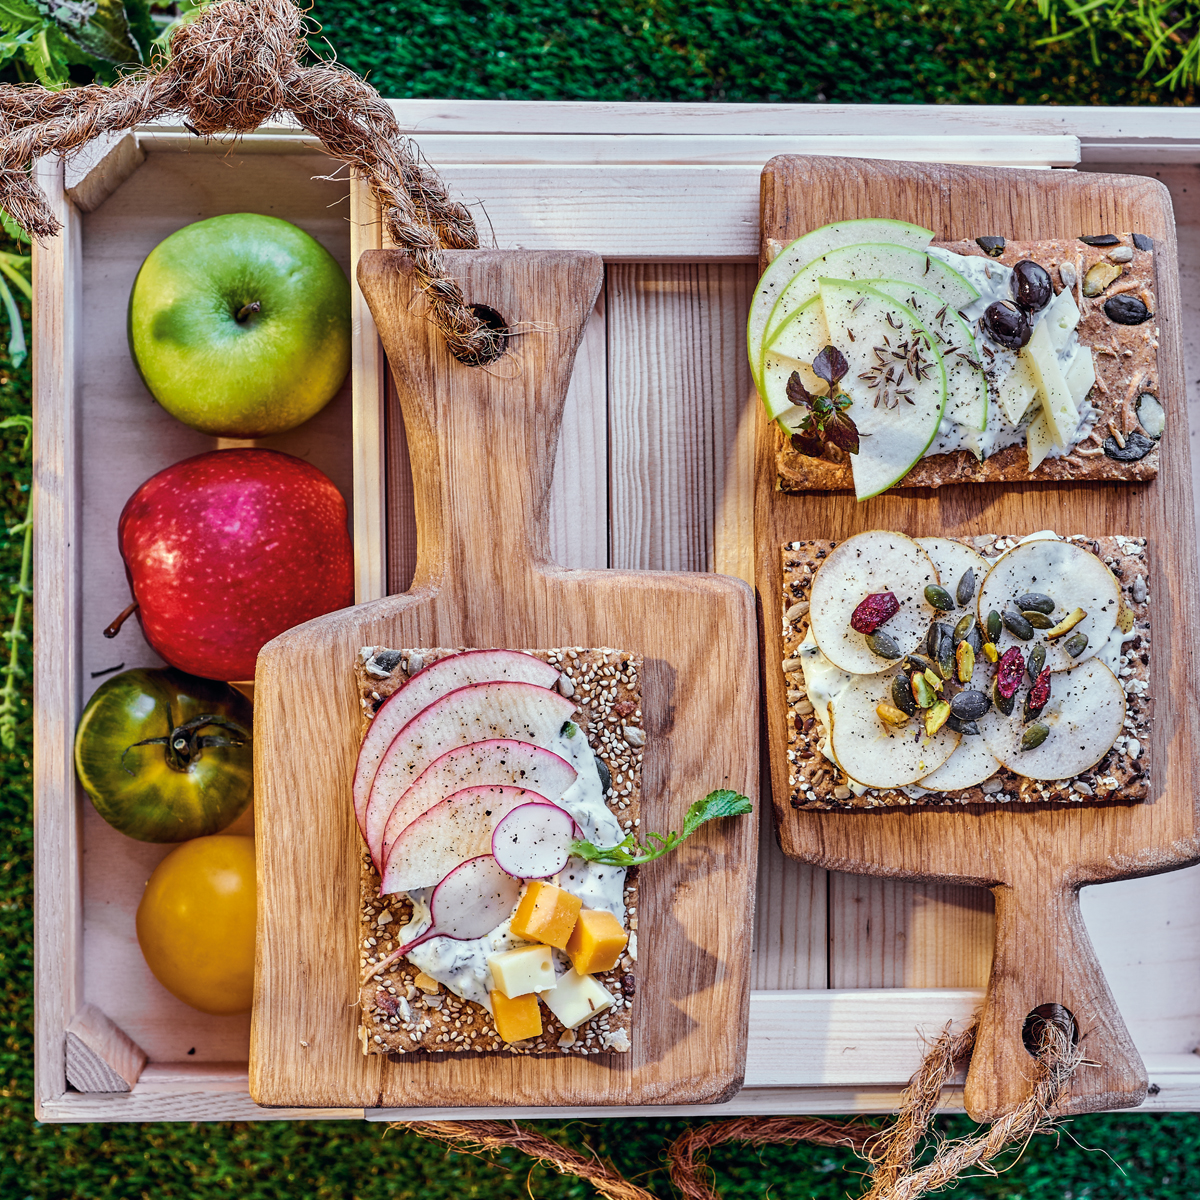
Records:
x=1034, y=861
x=482, y=446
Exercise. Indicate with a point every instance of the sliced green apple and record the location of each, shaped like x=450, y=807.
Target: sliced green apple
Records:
x=1072, y=577
x=799, y=342
x=875, y=753
x=798, y=254
x=966, y=387
x=867, y=563
x=870, y=261
x=1083, y=716
x=970, y=764
x=896, y=422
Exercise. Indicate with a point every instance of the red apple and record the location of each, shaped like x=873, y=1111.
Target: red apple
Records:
x=226, y=550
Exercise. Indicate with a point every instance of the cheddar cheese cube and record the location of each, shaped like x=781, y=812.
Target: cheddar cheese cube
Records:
x=546, y=914
x=523, y=970
x=577, y=998
x=518, y=1017
x=596, y=942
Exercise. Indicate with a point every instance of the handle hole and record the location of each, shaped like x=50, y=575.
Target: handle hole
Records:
x=1048, y=1014
x=498, y=325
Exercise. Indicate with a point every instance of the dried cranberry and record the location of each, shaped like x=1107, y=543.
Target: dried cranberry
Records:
x=1010, y=672
x=1039, y=694
x=873, y=611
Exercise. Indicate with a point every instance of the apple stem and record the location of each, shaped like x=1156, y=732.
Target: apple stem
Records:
x=115, y=627
x=253, y=307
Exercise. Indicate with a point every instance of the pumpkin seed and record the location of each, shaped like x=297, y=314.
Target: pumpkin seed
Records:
x=970, y=705
x=889, y=714
x=914, y=662
x=1017, y=625
x=1037, y=601
x=936, y=717
x=1143, y=242
x=1126, y=310
x=1137, y=445
x=990, y=652
x=1037, y=660
x=939, y=643
x=1100, y=239
x=1066, y=624
x=993, y=626
x=1038, y=620
x=923, y=694
x=966, y=587
x=1034, y=736
x=992, y=246
x=964, y=658
x=1099, y=277
x=1066, y=272
x=1005, y=704
x=939, y=598
x=1076, y=644
x=1122, y=254
x=902, y=696
x=969, y=728
x=883, y=644
x=963, y=627
x=1150, y=415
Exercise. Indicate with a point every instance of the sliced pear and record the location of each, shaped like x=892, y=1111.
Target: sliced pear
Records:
x=966, y=387
x=953, y=560
x=1084, y=716
x=1072, y=577
x=971, y=763
x=869, y=261
x=893, y=438
x=798, y=254
x=874, y=753
x=877, y=561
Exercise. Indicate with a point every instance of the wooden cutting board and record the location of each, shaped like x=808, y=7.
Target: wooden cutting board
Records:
x=482, y=443
x=1033, y=859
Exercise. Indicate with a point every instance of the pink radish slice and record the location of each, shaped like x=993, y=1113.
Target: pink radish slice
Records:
x=446, y=675
x=481, y=764
x=469, y=903
x=479, y=712
x=450, y=832
x=533, y=841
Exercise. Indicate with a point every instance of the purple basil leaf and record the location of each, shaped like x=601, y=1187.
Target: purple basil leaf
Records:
x=806, y=424
x=814, y=447
x=797, y=393
x=842, y=431
x=843, y=402
x=822, y=404
x=830, y=365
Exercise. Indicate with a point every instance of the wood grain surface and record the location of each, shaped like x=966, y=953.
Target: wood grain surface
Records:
x=481, y=444
x=1034, y=861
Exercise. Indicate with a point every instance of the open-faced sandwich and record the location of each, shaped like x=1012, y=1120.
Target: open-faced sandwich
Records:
x=884, y=357
x=491, y=786
x=953, y=671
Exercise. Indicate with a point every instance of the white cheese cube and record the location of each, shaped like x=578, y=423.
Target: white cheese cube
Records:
x=577, y=998
x=1061, y=318
x=1081, y=374
x=1055, y=396
x=1039, y=440
x=1018, y=390
x=523, y=970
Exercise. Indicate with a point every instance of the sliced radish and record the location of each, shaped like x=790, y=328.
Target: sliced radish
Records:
x=475, y=898
x=495, y=762
x=533, y=841
x=445, y=675
x=481, y=712
x=448, y=833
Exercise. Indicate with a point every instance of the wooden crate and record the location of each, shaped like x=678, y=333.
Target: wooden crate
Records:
x=847, y=970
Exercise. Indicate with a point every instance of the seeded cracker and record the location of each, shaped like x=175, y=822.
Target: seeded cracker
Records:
x=1123, y=773
x=397, y=1015
x=1126, y=360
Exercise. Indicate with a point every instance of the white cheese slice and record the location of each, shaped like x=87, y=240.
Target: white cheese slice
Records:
x=1057, y=403
x=1081, y=374
x=1039, y=440
x=523, y=970
x=1018, y=390
x=1061, y=318
x=576, y=999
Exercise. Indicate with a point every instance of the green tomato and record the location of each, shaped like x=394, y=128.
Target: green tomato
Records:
x=166, y=756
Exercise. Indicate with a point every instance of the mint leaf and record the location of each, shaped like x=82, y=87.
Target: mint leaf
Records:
x=628, y=853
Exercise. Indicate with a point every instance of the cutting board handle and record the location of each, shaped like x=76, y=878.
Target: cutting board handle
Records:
x=1043, y=956
x=481, y=439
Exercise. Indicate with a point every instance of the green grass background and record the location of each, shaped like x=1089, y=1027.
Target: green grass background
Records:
x=889, y=51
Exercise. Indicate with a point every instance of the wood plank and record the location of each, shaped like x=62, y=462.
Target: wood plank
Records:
x=484, y=578
x=1034, y=861
x=56, y=502
x=101, y=1057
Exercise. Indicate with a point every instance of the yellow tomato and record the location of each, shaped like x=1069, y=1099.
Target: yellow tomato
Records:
x=195, y=923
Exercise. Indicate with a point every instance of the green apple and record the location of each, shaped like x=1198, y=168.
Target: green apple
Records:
x=240, y=325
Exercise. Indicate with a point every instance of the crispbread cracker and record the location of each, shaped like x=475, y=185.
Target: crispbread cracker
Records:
x=1123, y=773
x=1126, y=359
x=397, y=1015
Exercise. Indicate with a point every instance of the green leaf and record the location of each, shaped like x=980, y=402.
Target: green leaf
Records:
x=97, y=26
x=628, y=853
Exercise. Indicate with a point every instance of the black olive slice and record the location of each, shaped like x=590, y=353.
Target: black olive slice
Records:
x=1142, y=242
x=1007, y=325
x=1030, y=285
x=991, y=246
x=1137, y=445
x=1126, y=310
x=1100, y=239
